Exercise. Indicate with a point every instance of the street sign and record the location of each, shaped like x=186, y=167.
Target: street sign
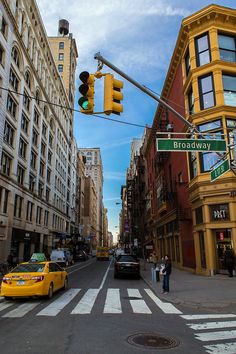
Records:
x=220, y=170
x=190, y=145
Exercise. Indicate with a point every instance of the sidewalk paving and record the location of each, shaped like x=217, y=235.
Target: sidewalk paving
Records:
x=193, y=290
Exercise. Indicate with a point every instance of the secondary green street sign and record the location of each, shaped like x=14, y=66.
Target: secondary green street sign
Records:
x=220, y=170
x=190, y=145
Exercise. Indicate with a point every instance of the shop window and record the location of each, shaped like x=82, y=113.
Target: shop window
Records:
x=227, y=47
x=219, y=212
x=202, y=249
x=206, y=91
x=229, y=84
x=202, y=46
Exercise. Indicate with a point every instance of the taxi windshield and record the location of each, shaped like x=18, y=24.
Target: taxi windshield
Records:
x=29, y=268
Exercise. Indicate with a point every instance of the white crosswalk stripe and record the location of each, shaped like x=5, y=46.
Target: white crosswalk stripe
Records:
x=85, y=305
x=197, y=324
x=56, y=306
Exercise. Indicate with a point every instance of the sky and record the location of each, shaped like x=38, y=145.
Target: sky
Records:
x=138, y=37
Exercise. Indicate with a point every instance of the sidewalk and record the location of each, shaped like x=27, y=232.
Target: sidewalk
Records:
x=193, y=290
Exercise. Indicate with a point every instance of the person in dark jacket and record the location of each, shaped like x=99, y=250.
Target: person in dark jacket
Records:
x=229, y=261
x=166, y=274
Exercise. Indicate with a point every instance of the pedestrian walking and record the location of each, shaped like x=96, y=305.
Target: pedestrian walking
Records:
x=166, y=271
x=154, y=259
x=229, y=261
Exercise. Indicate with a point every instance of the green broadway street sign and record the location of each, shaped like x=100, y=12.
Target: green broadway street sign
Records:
x=190, y=145
x=220, y=170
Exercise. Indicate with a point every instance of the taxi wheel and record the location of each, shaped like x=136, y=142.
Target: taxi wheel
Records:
x=50, y=291
x=8, y=297
x=65, y=286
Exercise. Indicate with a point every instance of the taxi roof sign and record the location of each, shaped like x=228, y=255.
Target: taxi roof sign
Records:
x=38, y=257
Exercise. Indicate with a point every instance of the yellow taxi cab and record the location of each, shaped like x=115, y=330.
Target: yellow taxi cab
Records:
x=34, y=279
x=102, y=253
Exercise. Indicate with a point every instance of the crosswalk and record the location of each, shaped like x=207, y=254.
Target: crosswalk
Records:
x=81, y=302
x=212, y=330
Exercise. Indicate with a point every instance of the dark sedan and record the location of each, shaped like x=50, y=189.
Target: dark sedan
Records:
x=81, y=256
x=127, y=264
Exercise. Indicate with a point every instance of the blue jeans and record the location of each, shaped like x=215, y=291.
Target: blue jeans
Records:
x=166, y=282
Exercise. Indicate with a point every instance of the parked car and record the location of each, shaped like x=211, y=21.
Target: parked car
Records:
x=81, y=256
x=127, y=264
x=62, y=257
x=34, y=279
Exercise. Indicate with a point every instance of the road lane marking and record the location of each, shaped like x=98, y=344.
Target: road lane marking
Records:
x=212, y=325
x=85, y=305
x=22, y=310
x=56, y=306
x=138, y=305
x=166, y=307
x=209, y=316
x=104, y=278
x=226, y=348
x=112, y=303
x=209, y=336
x=5, y=305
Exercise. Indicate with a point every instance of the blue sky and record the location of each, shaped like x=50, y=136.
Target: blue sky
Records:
x=138, y=36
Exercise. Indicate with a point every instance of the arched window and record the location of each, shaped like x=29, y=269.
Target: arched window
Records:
x=28, y=78
x=45, y=111
x=15, y=56
x=37, y=97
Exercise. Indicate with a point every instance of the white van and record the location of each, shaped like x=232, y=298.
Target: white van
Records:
x=62, y=257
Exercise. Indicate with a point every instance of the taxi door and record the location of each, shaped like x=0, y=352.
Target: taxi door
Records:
x=55, y=275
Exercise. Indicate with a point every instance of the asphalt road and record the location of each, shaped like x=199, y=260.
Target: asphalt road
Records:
x=97, y=315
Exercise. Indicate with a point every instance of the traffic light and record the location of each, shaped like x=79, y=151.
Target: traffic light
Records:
x=112, y=95
x=86, y=102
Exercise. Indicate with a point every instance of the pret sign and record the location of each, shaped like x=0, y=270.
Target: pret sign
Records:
x=190, y=145
x=220, y=170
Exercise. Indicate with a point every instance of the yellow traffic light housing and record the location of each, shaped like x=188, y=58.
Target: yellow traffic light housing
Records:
x=86, y=102
x=112, y=95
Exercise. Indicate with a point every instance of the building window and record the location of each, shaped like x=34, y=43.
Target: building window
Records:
x=61, y=56
x=48, y=175
x=24, y=123
x=38, y=215
x=199, y=215
x=190, y=101
x=18, y=206
x=43, y=149
x=44, y=130
x=33, y=159
x=49, y=157
x=2, y=56
x=6, y=164
x=37, y=97
x=4, y=27
x=202, y=249
x=8, y=134
x=61, y=45
x=15, y=56
x=32, y=180
x=50, y=140
x=29, y=211
x=36, y=117
x=227, y=47
x=60, y=68
x=193, y=164
x=229, y=84
x=208, y=159
x=41, y=168
x=4, y=194
x=40, y=190
x=206, y=91
x=46, y=217
x=13, y=79
x=47, y=196
x=26, y=101
x=231, y=131
x=27, y=79
x=11, y=105
x=202, y=46
x=20, y=174
x=35, y=138
x=187, y=62
x=22, y=148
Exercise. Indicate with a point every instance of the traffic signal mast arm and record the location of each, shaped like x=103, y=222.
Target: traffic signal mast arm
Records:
x=98, y=56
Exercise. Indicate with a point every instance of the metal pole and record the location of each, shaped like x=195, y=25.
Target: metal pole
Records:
x=142, y=88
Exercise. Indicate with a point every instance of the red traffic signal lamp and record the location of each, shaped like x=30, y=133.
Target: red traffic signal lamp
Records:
x=86, y=102
x=112, y=95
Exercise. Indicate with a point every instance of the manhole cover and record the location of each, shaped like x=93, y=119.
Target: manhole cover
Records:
x=152, y=341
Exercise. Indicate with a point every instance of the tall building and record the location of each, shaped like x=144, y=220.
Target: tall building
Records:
x=94, y=169
x=35, y=137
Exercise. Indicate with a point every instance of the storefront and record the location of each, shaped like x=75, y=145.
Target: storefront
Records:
x=24, y=244
x=223, y=242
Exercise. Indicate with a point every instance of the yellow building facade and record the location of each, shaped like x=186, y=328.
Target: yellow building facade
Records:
x=208, y=55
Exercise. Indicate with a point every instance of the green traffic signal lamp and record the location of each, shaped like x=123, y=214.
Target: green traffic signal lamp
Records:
x=86, y=102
